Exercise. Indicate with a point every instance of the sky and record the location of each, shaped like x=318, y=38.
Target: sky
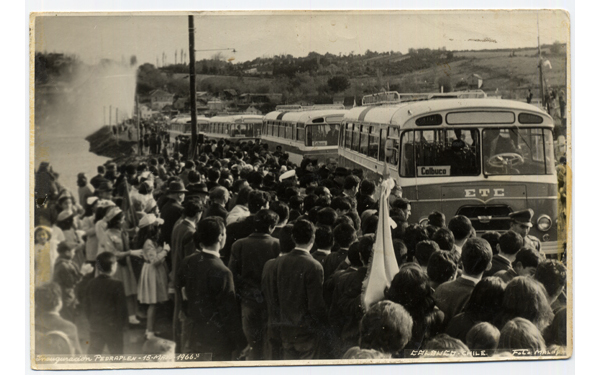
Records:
x=258, y=34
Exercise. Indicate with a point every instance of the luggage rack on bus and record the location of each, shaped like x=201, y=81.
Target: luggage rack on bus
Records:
x=394, y=97
x=301, y=108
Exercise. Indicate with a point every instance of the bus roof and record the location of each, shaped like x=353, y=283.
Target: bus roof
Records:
x=400, y=114
x=308, y=116
x=272, y=115
x=247, y=118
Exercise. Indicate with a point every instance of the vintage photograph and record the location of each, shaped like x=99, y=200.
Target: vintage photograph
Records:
x=260, y=188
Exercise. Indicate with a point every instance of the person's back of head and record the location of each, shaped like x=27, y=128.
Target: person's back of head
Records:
x=101, y=169
x=410, y=288
x=520, y=333
x=526, y=298
x=385, y=327
x=286, y=242
x=344, y=234
x=486, y=299
x=493, y=238
x=354, y=255
x=460, y=226
x=193, y=177
x=476, y=256
x=441, y=267
x=190, y=164
x=243, y=195
x=483, y=336
x=219, y=194
x=303, y=232
x=444, y=238
x=324, y=237
x=326, y=216
x=413, y=234
x=191, y=208
x=323, y=201
x=208, y=232
x=367, y=188
x=105, y=262
x=296, y=202
x=437, y=219
x=424, y=251
x=310, y=202
x=213, y=175
x=257, y=199
x=443, y=342
x=265, y=221
x=356, y=352
x=351, y=182
x=281, y=209
x=510, y=242
x=400, y=251
x=556, y=332
x=341, y=203
x=369, y=226
x=365, y=249
x=48, y=297
x=552, y=274
x=237, y=185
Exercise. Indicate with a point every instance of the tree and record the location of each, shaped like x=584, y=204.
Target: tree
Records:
x=446, y=83
x=555, y=48
x=338, y=83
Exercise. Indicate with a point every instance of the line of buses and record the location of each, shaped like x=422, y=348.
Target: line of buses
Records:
x=458, y=153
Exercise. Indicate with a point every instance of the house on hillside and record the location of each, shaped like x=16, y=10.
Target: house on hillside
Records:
x=252, y=110
x=182, y=104
x=475, y=81
x=229, y=94
x=146, y=112
x=216, y=105
x=160, y=98
x=202, y=95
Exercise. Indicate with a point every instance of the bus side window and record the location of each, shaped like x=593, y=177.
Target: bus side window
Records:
x=373, y=142
x=407, y=165
x=382, y=139
x=348, y=136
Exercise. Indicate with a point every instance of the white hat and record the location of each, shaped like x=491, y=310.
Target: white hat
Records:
x=105, y=203
x=149, y=220
x=112, y=212
x=90, y=201
x=287, y=174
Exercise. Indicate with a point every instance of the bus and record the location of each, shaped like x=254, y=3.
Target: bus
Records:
x=181, y=126
x=301, y=132
x=233, y=127
x=478, y=157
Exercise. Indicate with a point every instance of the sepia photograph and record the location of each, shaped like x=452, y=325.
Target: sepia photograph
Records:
x=297, y=188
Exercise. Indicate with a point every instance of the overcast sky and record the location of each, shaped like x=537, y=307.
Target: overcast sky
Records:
x=256, y=34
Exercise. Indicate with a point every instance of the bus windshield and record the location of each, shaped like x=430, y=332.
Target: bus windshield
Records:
x=322, y=134
x=440, y=153
x=513, y=151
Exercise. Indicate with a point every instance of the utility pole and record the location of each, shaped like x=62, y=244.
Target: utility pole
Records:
x=110, y=116
x=137, y=105
x=192, y=150
x=540, y=65
x=117, y=122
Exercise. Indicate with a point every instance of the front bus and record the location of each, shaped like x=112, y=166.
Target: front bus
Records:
x=481, y=158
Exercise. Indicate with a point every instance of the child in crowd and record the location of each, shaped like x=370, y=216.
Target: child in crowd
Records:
x=153, y=282
x=43, y=263
x=67, y=274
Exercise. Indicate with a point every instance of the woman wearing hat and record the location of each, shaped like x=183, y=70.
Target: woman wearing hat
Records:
x=88, y=225
x=153, y=283
x=116, y=241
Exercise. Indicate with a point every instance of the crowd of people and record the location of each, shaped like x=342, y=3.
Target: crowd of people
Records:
x=259, y=259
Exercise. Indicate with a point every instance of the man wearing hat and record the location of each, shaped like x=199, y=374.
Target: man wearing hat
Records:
x=521, y=224
x=172, y=209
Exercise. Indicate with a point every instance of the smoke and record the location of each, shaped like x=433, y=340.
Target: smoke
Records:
x=93, y=96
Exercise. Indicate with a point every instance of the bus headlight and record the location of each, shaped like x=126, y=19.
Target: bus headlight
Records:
x=424, y=221
x=544, y=223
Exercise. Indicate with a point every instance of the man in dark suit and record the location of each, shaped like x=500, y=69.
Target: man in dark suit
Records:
x=257, y=200
x=206, y=285
x=98, y=179
x=343, y=235
x=48, y=302
x=182, y=245
x=106, y=308
x=171, y=210
x=301, y=306
x=452, y=296
x=508, y=246
x=218, y=197
x=248, y=257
